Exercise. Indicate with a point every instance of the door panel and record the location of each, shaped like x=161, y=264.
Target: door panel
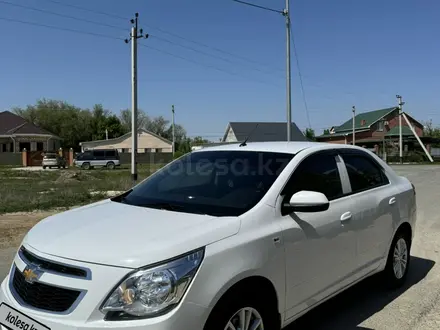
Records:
x=320, y=254
x=320, y=246
x=373, y=217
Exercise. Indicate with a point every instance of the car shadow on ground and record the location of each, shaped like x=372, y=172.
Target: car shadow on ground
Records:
x=352, y=307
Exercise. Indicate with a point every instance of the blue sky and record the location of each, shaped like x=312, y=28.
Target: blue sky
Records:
x=359, y=53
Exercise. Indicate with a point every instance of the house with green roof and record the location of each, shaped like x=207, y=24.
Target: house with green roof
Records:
x=372, y=128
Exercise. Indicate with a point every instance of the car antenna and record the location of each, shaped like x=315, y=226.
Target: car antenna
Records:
x=244, y=144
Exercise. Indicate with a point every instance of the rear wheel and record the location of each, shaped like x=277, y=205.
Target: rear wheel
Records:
x=396, y=269
x=111, y=165
x=85, y=166
x=44, y=167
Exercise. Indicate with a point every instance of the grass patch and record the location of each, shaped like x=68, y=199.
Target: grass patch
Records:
x=24, y=191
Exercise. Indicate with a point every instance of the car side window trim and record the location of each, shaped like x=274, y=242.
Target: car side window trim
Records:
x=385, y=179
x=343, y=173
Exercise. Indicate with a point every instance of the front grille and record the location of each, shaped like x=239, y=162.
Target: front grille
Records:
x=52, y=266
x=43, y=296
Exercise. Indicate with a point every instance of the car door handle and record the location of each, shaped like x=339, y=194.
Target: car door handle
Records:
x=392, y=200
x=346, y=216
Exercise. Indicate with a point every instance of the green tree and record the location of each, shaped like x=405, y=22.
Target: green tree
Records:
x=198, y=141
x=326, y=132
x=309, y=133
x=72, y=124
x=125, y=118
x=430, y=130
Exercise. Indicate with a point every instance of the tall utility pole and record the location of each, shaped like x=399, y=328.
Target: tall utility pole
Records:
x=174, y=137
x=399, y=99
x=286, y=14
x=134, y=36
x=354, y=123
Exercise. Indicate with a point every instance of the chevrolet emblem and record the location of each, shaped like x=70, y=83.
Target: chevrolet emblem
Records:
x=32, y=273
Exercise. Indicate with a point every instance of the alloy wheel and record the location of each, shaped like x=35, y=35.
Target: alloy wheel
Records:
x=400, y=258
x=245, y=319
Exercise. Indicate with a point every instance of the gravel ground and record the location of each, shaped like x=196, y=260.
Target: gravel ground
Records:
x=367, y=305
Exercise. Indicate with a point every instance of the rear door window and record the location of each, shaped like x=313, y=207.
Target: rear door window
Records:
x=363, y=172
x=110, y=154
x=98, y=154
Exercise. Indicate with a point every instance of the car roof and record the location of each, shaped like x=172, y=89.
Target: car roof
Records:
x=283, y=147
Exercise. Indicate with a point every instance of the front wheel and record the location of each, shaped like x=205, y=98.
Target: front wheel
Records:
x=243, y=314
x=111, y=165
x=85, y=166
x=396, y=269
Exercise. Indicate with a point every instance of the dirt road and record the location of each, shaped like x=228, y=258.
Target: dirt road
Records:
x=13, y=227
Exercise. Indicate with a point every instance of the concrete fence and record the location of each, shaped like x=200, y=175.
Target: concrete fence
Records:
x=147, y=158
x=11, y=158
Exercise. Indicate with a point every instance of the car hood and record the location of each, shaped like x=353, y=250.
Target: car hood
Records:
x=122, y=235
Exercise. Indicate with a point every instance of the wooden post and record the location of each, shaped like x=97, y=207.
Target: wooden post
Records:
x=24, y=157
x=71, y=157
x=60, y=152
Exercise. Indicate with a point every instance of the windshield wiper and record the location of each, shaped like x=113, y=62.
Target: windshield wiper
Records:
x=165, y=206
x=174, y=207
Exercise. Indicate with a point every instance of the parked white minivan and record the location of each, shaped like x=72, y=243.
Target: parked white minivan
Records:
x=248, y=236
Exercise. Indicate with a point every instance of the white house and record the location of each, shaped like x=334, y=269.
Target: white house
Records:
x=147, y=142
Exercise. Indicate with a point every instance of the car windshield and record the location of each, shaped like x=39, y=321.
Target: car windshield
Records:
x=218, y=183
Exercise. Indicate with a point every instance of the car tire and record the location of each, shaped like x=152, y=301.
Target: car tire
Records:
x=44, y=167
x=85, y=166
x=111, y=165
x=398, y=262
x=229, y=310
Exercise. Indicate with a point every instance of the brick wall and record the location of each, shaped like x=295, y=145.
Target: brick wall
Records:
x=395, y=122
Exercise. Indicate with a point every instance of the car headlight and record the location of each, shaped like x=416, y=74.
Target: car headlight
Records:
x=152, y=291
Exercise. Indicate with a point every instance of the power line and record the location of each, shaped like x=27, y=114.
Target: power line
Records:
x=117, y=38
x=243, y=58
x=206, y=65
x=87, y=9
x=60, y=15
x=60, y=28
x=300, y=77
x=206, y=54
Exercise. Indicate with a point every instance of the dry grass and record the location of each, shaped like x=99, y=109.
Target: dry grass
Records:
x=25, y=191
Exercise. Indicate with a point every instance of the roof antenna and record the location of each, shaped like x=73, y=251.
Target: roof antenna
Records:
x=244, y=144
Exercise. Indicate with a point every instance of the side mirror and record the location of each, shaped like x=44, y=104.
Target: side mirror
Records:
x=309, y=201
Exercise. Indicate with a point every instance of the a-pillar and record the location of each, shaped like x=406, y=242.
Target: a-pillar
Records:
x=24, y=157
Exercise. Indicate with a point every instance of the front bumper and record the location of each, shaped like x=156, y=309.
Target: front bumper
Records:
x=86, y=314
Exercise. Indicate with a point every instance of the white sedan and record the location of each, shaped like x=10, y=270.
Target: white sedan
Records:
x=234, y=237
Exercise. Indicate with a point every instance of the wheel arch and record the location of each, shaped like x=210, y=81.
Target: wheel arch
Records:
x=248, y=284
x=405, y=227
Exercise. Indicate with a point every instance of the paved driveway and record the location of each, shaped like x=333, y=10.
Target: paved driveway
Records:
x=34, y=168
x=366, y=305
